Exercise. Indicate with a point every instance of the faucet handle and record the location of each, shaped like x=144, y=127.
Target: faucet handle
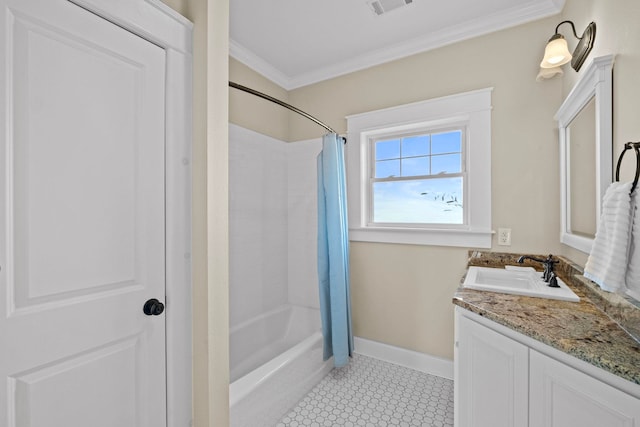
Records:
x=553, y=280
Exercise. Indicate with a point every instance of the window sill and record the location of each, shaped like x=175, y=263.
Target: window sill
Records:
x=419, y=236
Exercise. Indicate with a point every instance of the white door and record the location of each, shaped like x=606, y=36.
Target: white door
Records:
x=82, y=226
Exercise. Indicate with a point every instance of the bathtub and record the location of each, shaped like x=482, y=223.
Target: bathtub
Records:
x=275, y=358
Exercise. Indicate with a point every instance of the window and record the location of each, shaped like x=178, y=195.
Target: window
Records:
x=421, y=173
x=417, y=178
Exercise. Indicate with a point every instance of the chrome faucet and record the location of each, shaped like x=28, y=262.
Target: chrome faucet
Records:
x=548, y=274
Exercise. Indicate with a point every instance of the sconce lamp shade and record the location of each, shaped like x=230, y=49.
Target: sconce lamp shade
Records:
x=548, y=73
x=556, y=53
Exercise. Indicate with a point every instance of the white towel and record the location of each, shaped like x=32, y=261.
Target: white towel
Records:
x=633, y=270
x=607, y=262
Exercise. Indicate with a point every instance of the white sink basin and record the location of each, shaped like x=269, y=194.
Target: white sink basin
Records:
x=516, y=280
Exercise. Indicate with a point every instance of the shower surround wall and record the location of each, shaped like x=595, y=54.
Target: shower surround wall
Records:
x=275, y=340
x=257, y=225
x=272, y=224
x=302, y=231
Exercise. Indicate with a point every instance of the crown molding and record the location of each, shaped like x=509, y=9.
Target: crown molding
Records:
x=259, y=65
x=463, y=31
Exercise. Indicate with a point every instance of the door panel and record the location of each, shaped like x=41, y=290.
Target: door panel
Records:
x=81, y=220
x=39, y=403
x=492, y=382
x=563, y=396
x=61, y=165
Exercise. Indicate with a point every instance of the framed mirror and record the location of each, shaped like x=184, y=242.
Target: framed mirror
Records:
x=585, y=124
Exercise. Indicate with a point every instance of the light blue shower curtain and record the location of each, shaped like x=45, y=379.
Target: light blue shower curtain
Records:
x=333, y=252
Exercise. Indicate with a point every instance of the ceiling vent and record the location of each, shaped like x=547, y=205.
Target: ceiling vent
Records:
x=383, y=6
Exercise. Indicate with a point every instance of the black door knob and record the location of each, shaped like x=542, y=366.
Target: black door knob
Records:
x=153, y=307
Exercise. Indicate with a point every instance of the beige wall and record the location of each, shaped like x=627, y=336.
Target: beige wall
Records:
x=210, y=212
x=255, y=113
x=617, y=32
x=402, y=293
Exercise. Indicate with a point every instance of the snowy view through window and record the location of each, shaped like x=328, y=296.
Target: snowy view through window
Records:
x=418, y=179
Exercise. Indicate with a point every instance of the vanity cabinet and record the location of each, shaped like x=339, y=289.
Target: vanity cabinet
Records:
x=492, y=382
x=500, y=380
x=560, y=395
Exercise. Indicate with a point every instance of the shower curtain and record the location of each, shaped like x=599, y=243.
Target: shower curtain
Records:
x=333, y=252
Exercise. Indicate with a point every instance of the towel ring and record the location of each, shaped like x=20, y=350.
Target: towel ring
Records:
x=636, y=148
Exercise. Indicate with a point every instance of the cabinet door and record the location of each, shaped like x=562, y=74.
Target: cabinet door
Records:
x=562, y=396
x=492, y=378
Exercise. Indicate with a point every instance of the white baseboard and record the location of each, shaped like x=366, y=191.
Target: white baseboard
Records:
x=408, y=358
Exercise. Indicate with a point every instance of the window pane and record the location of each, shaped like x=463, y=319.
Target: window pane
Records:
x=387, y=168
x=415, y=166
x=449, y=142
x=388, y=149
x=447, y=163
x=431, y=201
x=415, y=146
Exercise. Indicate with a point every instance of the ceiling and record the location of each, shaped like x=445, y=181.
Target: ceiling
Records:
x=299, y=42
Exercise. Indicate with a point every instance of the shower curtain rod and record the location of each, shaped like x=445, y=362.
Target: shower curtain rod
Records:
x=282, y=104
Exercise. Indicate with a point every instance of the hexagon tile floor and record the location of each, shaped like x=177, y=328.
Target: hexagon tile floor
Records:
x=370, y=392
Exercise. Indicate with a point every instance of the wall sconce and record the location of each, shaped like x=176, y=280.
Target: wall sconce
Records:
x=556, y=53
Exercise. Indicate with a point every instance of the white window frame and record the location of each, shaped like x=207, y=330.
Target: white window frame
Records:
x=470, y=110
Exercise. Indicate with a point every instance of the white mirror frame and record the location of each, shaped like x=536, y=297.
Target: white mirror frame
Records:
x=596, y=82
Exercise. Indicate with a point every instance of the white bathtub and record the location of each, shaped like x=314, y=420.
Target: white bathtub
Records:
x=275, y=360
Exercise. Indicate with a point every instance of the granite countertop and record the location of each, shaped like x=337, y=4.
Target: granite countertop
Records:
x=599, y=329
